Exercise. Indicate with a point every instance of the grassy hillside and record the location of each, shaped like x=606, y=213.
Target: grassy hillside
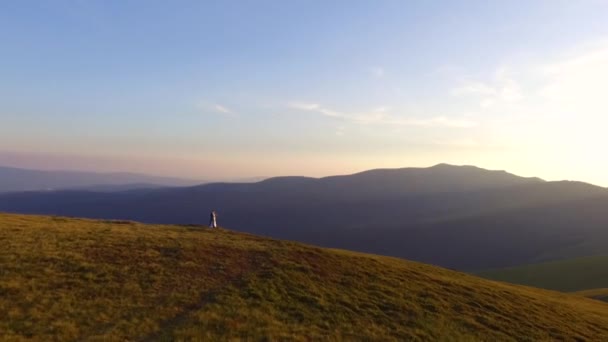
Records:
x=566, y=275
x=74, y=279
x=599, y=294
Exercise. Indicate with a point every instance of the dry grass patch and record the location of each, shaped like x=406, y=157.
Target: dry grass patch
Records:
x=70, y=279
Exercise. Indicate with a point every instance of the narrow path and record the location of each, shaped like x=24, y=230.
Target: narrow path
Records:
x=206, y=297
x=170, y=324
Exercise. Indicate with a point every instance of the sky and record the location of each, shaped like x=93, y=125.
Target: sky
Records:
x=237, y=89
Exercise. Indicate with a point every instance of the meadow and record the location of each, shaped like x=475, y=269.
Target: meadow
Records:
x=570, y=275
x=64, y=279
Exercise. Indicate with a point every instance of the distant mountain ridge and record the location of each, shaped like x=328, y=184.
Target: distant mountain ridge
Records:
x=17, y=179
x=438, y=178
x=461, y=217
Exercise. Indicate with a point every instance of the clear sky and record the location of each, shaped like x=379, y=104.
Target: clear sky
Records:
x=225, y=89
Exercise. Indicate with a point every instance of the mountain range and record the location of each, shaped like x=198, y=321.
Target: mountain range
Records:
x=17, y=179
x=460, y=217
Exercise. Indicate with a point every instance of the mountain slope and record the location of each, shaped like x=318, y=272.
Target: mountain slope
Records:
x=73, y=279
x=599, y=294
x=16, y=179
x=569, y=275
x=463, y=217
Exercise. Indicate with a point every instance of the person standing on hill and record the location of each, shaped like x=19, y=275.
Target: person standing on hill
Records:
x=213, y=219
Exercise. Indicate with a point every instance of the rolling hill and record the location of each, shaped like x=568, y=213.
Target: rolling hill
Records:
x=77, y=279
x=461, y=217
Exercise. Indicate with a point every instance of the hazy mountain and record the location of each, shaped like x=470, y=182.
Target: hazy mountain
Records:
x=15, y=179
x=460, y=217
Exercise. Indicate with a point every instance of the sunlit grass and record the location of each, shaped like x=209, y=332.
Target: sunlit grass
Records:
x=599, y=294
x=71, y=279
x=569, y=275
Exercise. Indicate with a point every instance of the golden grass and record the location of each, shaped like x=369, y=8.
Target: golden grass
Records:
x=72, y=279
x=599, y=294
x=570, y=275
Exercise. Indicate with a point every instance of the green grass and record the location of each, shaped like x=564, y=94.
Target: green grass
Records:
x=565, y=275
x=72, y=279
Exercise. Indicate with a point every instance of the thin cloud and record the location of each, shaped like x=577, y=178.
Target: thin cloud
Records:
x=434, y=121
x=222, y=109
x=474, y=88
x=314, y=107
x=377, y=71
x=217, y=108
x=304, y=106
x=580, y=80
x=467, y=142
x=562, y=108
x=340, y=131
x=382, y=116
x=501, y=88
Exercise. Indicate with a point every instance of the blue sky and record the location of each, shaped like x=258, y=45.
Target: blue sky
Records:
x=225, y=89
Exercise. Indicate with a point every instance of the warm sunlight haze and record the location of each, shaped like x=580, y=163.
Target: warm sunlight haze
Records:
x=303, y=170
x=216, y=90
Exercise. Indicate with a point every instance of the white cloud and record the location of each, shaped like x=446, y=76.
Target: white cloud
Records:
x=572, y=89
x=377, y=71
x=210, y=107
x=430, y=122
x=474, y=88
x=222, y=109
x=340, y=131
x=550, y=115
x=581, y=80
x=304, y=106
x=501, y=88
x=314, y=107
x=382, y=116
x=487, y=103
x=466, y=142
